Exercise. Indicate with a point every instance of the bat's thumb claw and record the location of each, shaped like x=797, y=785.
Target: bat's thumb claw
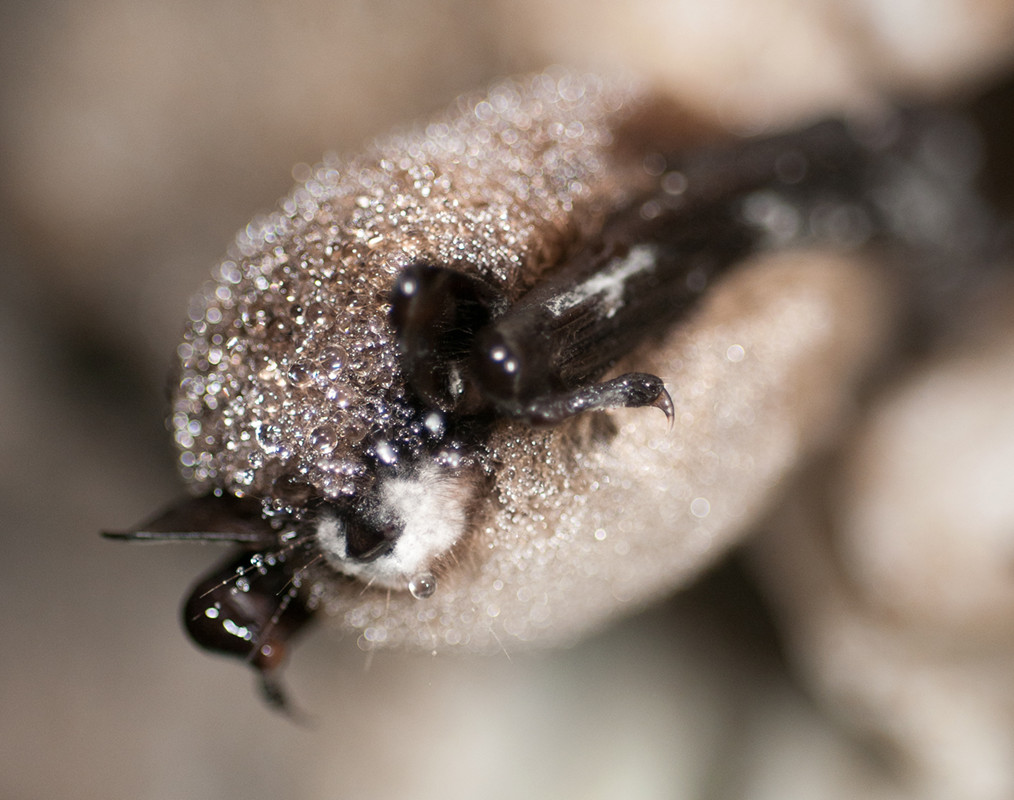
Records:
x=664, y=402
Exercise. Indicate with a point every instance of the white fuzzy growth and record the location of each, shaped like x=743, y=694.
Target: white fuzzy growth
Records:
x=608, y=283
x=431, y=506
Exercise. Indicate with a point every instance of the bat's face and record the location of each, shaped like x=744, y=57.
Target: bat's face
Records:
x=387, y=395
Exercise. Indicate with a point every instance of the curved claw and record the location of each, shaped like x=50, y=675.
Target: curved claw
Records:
x=633, y=390
x=665, y=404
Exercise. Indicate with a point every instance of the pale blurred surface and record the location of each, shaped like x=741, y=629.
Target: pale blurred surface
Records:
x=893, y=572
x=137, y=139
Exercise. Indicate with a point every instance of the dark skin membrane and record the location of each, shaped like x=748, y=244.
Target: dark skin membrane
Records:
x=464, y=349
x=250, y=612
x=206, y=519
x=837, y=182
x=474, y=357
x=248, y=606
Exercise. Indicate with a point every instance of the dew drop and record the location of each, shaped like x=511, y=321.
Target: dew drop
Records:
x=700, y=507
x=300, y=374
x=244, y=477
x=422, y=586
x=449, y=456
x=340, y=394
x=386, y=452
x=331, y=360
x=265, y=367
x=268, y=401
x=269, y=437
x=434, y=423
x=324, y=439
x=318, y=316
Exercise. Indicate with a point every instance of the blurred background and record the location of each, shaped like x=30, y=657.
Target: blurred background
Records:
x=137, y=138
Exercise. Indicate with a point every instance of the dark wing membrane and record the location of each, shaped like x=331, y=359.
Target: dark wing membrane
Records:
x=206, y=519
x=653, y=259
x=838, y=183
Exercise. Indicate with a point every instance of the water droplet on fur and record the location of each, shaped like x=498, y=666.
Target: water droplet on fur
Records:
x=422, y=586
x=434, y=423
x=300, y=374
x=386, y=452
x=318, y=316
x=340, y=394
x=324, y=439
x=331, y=360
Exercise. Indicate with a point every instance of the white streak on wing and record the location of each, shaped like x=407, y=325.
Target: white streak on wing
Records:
x=608, y=282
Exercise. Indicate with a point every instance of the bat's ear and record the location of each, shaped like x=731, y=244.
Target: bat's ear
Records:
x=249, y=608
x=249, y=605
x=436, y=313
x=209, y=519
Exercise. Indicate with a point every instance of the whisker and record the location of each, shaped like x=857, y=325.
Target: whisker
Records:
x=492, y=632
x=272, y=622
x=298, y=573
x=241, y=573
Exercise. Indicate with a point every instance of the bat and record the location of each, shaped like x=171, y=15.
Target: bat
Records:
x=413, y=398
